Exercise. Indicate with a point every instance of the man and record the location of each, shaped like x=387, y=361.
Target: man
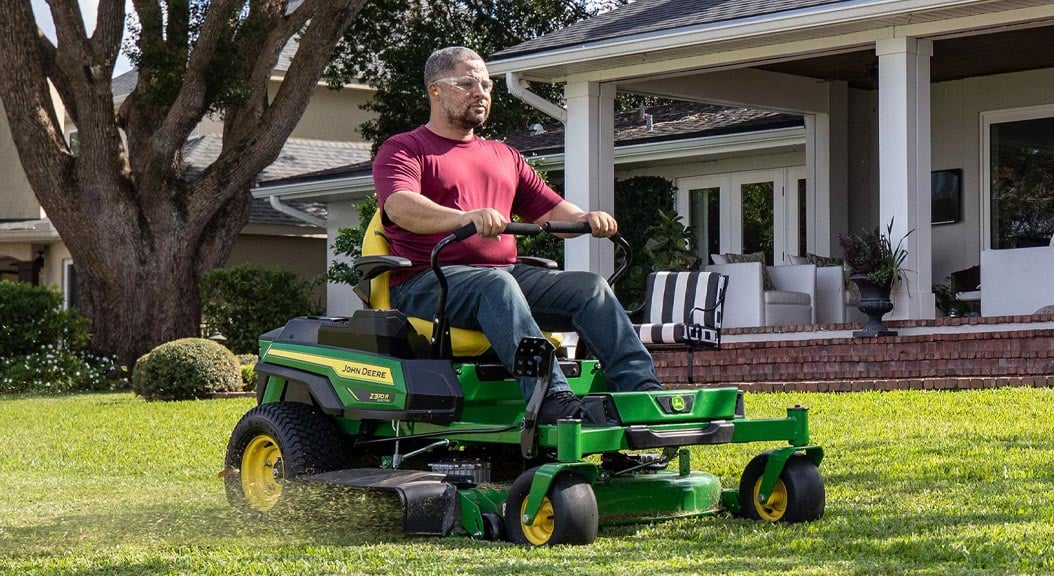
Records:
x=441, y=176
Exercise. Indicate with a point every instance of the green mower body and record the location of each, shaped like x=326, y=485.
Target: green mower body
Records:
x=368, y=403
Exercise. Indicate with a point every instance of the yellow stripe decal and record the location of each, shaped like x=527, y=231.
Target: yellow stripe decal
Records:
x=343, y=368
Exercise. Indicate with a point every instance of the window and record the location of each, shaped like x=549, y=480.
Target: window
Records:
x=1018, y=177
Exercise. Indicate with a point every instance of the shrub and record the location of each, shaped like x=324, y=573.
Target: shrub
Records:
x=55, y=369
x=32, y=317
x=186, y=369
x=638, y=203
x=243, y=302
x=248, y=370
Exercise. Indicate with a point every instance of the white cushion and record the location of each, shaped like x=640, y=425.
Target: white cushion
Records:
x=786, y=297
x=796, y=260
x=719, y=259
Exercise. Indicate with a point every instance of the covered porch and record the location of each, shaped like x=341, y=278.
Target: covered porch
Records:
x=890, y=91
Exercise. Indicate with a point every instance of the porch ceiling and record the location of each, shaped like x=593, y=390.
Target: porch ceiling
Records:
x=835, y=38
x=953, y=58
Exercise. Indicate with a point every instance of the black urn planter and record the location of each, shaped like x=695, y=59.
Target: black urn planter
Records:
x=875, y=302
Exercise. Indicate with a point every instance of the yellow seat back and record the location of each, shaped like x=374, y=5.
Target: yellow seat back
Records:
x=465, y=343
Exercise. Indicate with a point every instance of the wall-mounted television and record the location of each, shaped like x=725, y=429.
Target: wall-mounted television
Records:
x=945, y=195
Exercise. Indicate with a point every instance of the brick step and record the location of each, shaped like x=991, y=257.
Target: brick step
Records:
x=957, y=359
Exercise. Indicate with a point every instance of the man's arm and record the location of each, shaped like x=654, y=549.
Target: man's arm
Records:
x=602, y=223
x=418, y=214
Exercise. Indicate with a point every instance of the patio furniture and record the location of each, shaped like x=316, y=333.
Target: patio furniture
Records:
x=749, y=304
x=1016, y=281
x=836, y=299
x=683, y=308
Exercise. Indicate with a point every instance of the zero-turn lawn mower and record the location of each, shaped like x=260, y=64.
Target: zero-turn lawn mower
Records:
x=368, y=402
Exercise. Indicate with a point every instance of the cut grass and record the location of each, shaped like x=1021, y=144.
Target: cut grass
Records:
x=917, y=482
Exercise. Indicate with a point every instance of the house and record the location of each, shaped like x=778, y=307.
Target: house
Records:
x=890, y=90
x=885, y=93
x=288, y=236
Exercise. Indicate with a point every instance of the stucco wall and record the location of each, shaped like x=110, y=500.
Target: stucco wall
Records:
x=16, y=197
x=955, y=126
x=332, y=115
x=304, y=256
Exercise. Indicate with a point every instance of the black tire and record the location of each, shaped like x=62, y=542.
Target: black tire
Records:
x=569, y=512
x=493, y=526
x=273, y=443
x=797, y=497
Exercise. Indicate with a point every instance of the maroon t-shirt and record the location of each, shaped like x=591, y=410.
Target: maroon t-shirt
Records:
x=469, y=175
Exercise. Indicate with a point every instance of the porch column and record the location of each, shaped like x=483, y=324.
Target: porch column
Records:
x=904, y=165
x=341, y=300
x=589, y=170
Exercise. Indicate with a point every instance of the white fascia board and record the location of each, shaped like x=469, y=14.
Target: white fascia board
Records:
x=343, y=189
x=812, y=17
x=693, y=147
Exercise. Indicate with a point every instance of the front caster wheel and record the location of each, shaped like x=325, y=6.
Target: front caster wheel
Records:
x=798, y=495
x=568, y=514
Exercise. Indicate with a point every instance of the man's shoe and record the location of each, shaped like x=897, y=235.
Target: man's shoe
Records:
x=560, y=405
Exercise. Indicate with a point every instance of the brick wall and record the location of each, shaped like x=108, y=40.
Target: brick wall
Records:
x=1021, y=356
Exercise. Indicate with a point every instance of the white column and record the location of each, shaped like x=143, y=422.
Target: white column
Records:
x=826, y=172
x=904, y=165
x=340, y=298
x=589, y=170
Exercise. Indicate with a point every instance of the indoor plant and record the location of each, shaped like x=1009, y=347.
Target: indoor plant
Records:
x=875, y=266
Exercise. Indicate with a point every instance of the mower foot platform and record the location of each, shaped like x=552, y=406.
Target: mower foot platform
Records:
x=427, y=498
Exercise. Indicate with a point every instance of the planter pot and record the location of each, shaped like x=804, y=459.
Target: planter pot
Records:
x=875, y=302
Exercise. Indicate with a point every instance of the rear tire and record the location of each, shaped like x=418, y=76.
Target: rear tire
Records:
x=797, y=497
x=568, y=514
x=273, y=443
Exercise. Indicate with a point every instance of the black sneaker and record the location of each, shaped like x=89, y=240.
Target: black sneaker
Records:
x=560, y=405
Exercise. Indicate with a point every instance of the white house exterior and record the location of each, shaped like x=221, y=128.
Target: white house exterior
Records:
x=946, y=72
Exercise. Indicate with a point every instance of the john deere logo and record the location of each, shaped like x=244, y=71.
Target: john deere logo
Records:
x=677, y=403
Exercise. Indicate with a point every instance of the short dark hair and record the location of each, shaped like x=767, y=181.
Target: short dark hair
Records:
x=443, y=61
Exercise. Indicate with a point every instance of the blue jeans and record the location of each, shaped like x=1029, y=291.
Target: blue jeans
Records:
x=514, y=302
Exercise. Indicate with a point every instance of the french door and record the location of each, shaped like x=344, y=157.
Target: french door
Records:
x=746, y=212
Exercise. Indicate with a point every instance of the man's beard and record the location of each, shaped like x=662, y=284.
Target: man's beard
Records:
x=467, y=120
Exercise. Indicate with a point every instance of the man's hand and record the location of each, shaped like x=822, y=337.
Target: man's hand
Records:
x=489, y=222
x=602, y=223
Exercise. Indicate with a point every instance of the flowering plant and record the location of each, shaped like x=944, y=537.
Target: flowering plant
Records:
x=872, y=254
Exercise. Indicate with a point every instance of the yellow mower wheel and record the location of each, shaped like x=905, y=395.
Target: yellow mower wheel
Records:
x=568, y=513
x=262, y=472
x=273, y=444
x=798, y=495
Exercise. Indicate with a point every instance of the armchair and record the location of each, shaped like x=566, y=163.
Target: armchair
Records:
x=747, y=303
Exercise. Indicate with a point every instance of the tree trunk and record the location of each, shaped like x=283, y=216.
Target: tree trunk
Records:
x=140, y=233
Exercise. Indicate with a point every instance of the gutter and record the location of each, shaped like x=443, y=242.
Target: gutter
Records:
x=276, y=203
x=518, y=88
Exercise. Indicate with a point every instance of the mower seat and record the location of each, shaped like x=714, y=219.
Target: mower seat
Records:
x=376, y=256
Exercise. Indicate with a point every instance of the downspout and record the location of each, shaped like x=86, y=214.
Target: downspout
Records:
x=276, y=203
x=518, y=88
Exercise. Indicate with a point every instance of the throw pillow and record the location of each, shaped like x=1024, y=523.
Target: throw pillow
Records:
x=822, y=261
x=718, y=258
x=766, y=280
x=797, y=260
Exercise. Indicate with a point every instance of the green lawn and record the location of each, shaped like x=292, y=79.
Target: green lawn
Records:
x=917, y=482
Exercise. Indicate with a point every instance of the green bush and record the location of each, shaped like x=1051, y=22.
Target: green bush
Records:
x=248, y=370
x=32, y=317
x=186, y=369
x=243, y=302
x=638, y=203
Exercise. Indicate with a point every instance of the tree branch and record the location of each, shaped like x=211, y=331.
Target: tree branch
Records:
x=109, y=29
x=241, y=160
x=35, y=127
